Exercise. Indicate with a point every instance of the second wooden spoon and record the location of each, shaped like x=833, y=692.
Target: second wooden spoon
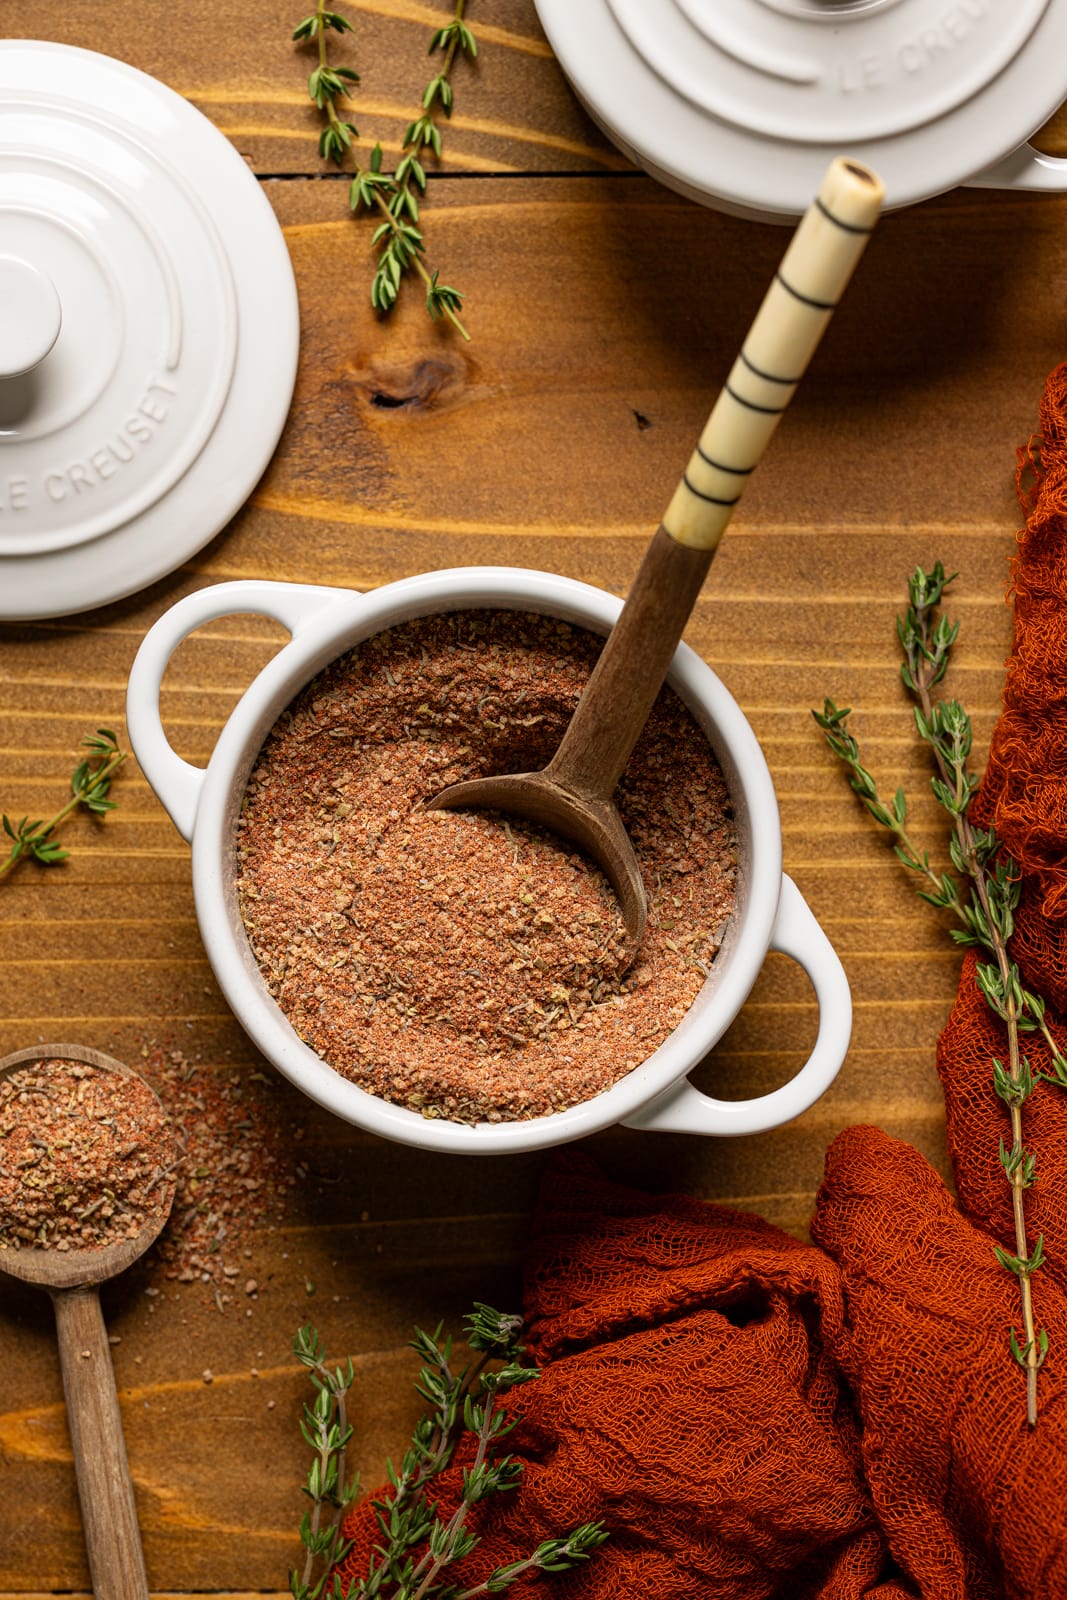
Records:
x=73, y=1279
x=573, y=794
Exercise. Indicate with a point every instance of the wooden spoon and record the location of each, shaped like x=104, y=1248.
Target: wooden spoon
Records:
x=73, y=1279
x=572, y=795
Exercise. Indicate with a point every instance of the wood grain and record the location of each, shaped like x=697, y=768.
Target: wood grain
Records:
x=513, y=111
x=604, y=313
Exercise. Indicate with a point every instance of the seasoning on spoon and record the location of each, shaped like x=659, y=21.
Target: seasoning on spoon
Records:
x=84, y=1155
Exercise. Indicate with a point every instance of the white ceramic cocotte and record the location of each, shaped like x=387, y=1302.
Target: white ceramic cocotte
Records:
x=204, y=804
x=741, y=103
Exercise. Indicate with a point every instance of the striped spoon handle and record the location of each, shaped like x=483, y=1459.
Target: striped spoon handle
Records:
x=800, y=302
x=781, y=341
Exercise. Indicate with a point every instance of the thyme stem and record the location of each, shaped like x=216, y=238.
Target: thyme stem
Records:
x=89, y=785
x=429, y=280
x=325, y=1454
x=326, y=1429
x=987, y=916
x=455, y=1523
x=454, y=41
x=398, y=239
x=924, y=679
x=408, y=1518
x=328, y=103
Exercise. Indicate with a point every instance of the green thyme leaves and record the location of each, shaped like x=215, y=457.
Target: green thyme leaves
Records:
x=326, y=1430
x=393, y=197
x=417, y=1542
x=981, y=893
x=90, y=787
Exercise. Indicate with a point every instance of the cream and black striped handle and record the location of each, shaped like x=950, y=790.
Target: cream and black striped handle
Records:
x=792, y=319
x=781, y=341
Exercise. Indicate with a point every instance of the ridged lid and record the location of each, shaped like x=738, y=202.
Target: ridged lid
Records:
x=743, y=100
x=148, y=329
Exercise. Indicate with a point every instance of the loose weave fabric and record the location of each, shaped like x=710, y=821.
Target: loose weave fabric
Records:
x=758, y=1419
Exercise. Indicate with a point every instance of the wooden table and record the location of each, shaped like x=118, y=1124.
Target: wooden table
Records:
x=604, y=313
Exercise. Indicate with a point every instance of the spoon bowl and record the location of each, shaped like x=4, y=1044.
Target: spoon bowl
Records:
x=72, y=1278
x=595, y=826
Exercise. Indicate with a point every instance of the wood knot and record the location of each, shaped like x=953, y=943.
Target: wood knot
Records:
x=412, y=386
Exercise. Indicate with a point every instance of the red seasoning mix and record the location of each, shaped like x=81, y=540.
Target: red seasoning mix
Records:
x=461, y=963
x=86, y=1156
x=236, y=1166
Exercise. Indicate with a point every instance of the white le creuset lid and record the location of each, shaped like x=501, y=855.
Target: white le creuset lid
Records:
x=741, y=103
x=148, y=329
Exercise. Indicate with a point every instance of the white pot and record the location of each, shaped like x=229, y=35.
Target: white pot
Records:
x=741, y=103
x=770, y=913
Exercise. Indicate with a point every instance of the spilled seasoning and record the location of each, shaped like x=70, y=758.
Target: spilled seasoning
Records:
x=460, y=963
x=237, y=1165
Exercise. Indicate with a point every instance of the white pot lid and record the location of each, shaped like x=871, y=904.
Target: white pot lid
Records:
x=742, y=102
x=148, y=330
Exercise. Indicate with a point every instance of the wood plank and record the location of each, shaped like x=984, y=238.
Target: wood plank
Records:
x=513, y=109
x=541, y=408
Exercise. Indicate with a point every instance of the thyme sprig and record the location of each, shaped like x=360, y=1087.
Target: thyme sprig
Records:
x=326, y=1429
x=394, y=196
x=328, y=85
x=408, y=1518
x=90, y=784
x=398, y=237
x=982, y=893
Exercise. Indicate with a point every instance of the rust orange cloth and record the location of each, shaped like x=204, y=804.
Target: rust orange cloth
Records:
x=760, y=1419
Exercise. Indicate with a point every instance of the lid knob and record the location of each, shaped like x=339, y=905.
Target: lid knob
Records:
x=30, y=316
